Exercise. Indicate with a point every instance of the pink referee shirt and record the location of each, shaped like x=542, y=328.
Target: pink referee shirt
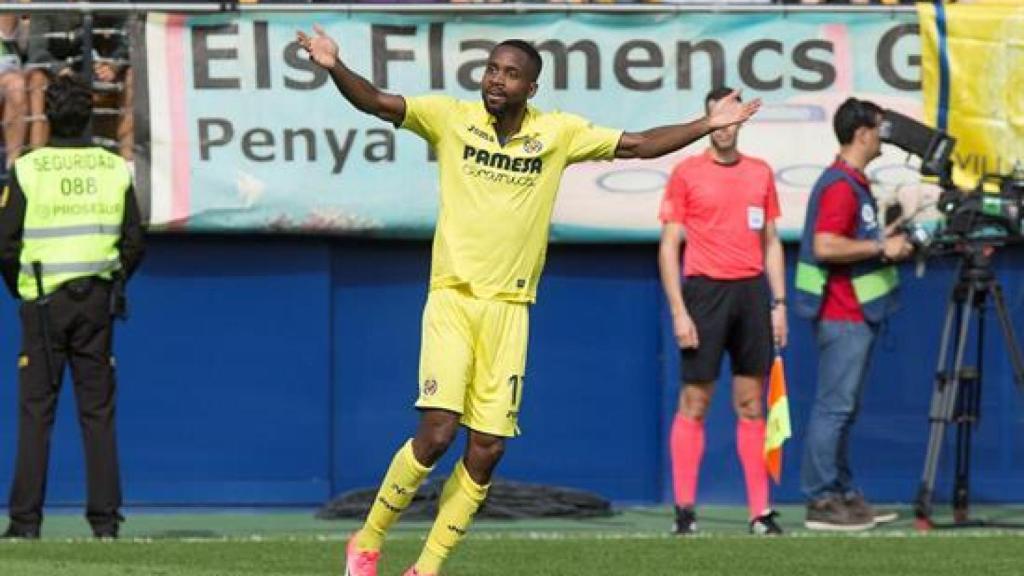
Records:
x=724, y=209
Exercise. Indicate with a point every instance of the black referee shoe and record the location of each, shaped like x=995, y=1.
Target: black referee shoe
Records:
x=686, y=521
x=765, y=525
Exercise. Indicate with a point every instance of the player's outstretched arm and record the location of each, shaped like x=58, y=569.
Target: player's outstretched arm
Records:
x=666, y=139
x=323, y=50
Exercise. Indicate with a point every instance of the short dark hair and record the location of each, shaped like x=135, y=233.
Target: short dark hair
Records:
x=528, y=49
x=716, y=94
x=853, y=114
x=68, y=106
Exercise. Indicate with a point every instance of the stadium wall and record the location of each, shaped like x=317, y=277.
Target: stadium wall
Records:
x=280, y=371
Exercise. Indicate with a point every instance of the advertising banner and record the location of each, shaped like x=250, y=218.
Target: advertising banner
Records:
x=246, y=134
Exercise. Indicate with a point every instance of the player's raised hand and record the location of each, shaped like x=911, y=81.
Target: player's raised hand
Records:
x=730, y=110
x=321, y=48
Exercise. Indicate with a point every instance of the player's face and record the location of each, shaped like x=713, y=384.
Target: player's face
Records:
x=724, y=139
x=508, y=81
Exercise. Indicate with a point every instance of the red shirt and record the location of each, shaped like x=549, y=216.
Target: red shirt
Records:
x=724, y=209
x=838, y=212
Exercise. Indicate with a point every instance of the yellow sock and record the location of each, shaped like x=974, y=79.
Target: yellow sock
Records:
x=403, y=478
x=460, y=500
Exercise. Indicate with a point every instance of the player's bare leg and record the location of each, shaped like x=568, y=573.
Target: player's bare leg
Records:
x=435, y=433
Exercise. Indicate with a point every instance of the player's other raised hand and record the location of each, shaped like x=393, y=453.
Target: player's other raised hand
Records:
x=321, y=48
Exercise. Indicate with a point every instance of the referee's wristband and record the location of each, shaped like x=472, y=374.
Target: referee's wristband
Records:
x=778, y=302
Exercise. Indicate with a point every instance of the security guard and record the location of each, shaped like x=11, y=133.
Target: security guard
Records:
x=70, y=234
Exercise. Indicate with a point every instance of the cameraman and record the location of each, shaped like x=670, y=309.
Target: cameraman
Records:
x=846, y=284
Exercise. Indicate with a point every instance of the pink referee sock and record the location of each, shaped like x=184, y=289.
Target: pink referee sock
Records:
x=686, y=448
x=750, y=446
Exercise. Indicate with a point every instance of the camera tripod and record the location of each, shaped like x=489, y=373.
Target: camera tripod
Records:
x=957, y=396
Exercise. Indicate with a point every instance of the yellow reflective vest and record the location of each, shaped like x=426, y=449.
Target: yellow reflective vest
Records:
x=74, y=207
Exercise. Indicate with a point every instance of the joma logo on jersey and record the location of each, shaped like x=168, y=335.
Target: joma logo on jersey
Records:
x=502, y=161
x=480, y=133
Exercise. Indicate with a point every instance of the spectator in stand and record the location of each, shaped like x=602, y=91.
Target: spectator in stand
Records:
x=835, y=2
x=55, y=48
x=12, y=88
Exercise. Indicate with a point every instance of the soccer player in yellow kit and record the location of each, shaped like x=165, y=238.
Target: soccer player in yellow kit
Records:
x=500, y=163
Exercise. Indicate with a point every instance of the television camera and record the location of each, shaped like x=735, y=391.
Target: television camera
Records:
x=992, y=213
x=975, y=222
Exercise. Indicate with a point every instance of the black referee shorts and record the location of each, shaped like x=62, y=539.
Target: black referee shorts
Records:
x=731, y=316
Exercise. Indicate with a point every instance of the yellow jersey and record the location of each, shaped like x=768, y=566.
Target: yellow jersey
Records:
x=496, y=201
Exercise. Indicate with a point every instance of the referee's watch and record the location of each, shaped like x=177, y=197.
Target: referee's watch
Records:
x=776, y=302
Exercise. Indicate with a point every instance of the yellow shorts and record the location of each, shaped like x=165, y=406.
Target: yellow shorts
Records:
x=473, y=359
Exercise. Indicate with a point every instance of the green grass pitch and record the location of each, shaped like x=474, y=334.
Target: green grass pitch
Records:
x=633, y=543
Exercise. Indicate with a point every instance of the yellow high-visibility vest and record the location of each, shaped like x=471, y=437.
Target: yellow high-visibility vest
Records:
x=75, y=202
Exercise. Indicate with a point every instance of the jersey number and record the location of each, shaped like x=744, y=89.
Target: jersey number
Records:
x=516, y=382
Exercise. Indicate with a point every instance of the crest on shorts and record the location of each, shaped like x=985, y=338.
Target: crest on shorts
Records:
x=532, y=146
x=429, y=387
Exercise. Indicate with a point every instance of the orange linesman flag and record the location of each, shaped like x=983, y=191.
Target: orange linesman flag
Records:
x=777, y=429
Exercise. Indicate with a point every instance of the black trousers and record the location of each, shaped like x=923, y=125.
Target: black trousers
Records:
x=81, y=331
